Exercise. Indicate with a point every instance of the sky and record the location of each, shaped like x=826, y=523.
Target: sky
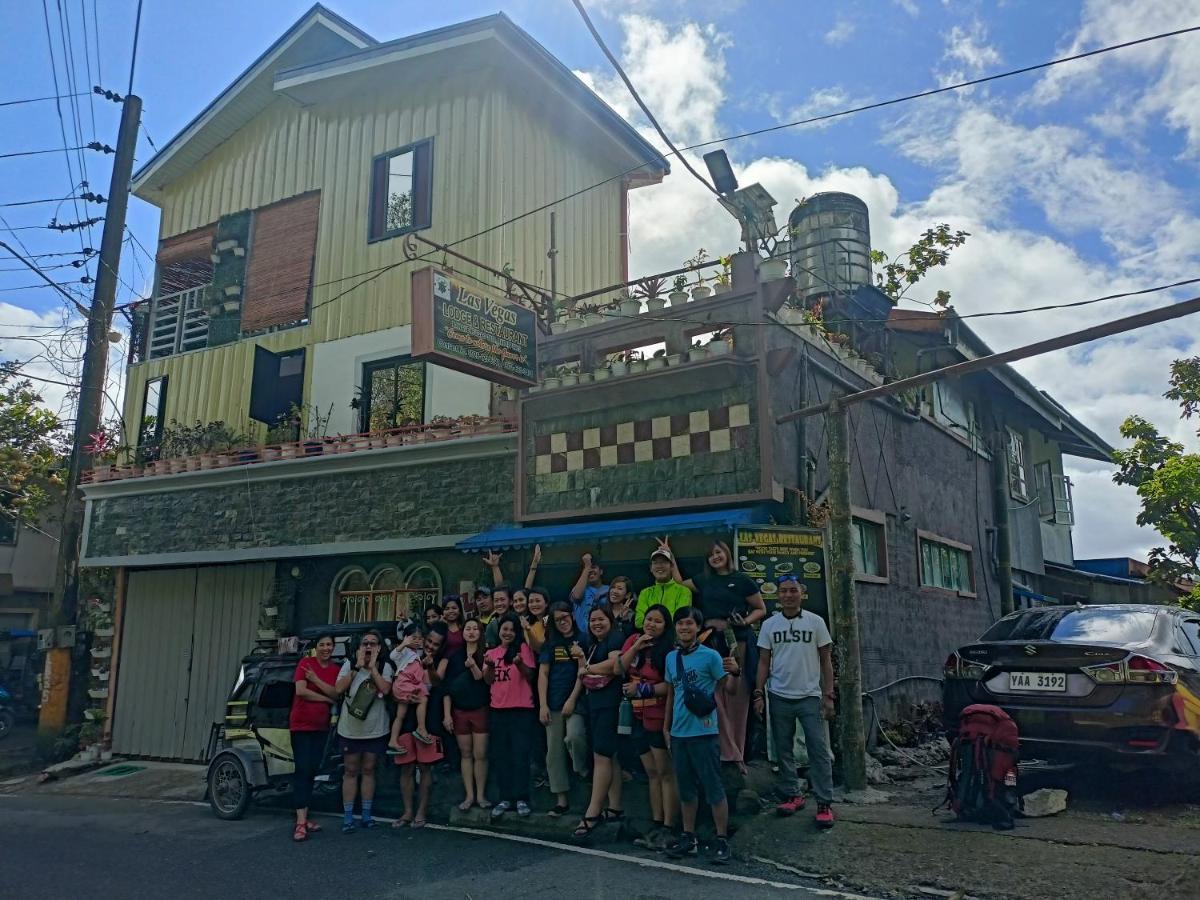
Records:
x=1074, y=182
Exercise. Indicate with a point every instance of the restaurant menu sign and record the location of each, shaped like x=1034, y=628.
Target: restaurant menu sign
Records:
x=459, y=326
x=768, y=552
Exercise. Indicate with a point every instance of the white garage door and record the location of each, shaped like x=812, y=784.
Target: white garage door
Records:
x=183, y=634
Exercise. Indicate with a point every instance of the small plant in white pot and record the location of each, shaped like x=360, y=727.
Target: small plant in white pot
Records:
x=723, y=280
x=658, y=360
x=719, y=344
x=679, y=292
x=570, y=376
x=628, y=305
x=573, y=321
x=698, y=351
x=593, y=316
x=701, y=290
x=637, y=362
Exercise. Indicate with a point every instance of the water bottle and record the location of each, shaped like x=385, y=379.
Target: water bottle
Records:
x=625, y=717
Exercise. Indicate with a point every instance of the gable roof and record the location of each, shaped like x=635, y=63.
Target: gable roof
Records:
x=1073, y=436
x=318, y=34
x=322, y=46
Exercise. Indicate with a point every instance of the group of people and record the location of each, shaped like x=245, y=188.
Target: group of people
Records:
x=666, y=676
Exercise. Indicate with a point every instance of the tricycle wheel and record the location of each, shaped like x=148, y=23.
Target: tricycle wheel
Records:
x=228, y=789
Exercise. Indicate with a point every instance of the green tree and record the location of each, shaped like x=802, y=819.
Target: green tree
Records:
x=1167, y=479
x=932, y=249
x=32, y=448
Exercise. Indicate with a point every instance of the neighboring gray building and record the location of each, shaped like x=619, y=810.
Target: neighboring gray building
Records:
x=27, y=559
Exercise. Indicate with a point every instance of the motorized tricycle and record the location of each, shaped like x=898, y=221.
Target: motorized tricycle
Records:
x=250, y=753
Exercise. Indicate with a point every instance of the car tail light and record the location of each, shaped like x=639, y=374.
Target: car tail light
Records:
x=957, y=667
x=1113, y=673
x=1144, y=670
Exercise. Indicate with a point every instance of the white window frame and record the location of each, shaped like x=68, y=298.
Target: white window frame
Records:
x=878, y=521
x=1018, y=483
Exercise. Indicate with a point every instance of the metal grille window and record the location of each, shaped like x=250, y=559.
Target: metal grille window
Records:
x=178, y=322
x=945, y=565
x=393, y=394
x=1055, y=500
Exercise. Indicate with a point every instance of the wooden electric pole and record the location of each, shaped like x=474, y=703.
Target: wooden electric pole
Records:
x=57, y=674
x=851, y=731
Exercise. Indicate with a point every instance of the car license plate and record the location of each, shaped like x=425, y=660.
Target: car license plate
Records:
x=1055, y=682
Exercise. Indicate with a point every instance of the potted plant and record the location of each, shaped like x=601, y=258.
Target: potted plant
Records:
x=101, y=652
x=617, y=365
x=603, y=373
x=698, y=351
x=94, y=715
x=178, y=464
x=558, y=326
x=718, y=345
x=552, y=378
x=679, y=293
x=723, y=281
x=637, y=362
x=441, y=426
x=572, y=321
x=570, y=376
x=360, y=442
x=290, y=451
x=593, y=316
x=104, y=449
x=658, y=360
x=628, y=305
x=270, y=454
x=772, y=268
x=674, y=359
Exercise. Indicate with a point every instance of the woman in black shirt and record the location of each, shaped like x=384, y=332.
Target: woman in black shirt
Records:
x=732, y=603
x=601, y=672
x=465, y=712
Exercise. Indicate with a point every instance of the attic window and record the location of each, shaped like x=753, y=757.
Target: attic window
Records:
x=401, y=191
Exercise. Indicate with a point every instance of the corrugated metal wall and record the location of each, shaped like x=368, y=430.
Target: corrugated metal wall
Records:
x=185, y=631
x=496, y=154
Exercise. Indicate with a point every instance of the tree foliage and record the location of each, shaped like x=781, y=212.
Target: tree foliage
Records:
x=32, y=448
x=1167, y=479
x=931, y=250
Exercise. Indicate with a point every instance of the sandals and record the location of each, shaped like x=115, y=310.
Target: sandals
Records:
x=560, y=809
x=587, y=825
x=349, y=828
x=299, y=833
x=312, y=826
x=422, y=736
x=465, y=805
x=418, y=823
x=402, y=823
x=613, y=815
x=397, y=751
x=485, y=804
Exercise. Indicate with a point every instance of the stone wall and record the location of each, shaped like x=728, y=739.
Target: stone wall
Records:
x=445, y=497
x=644, y=441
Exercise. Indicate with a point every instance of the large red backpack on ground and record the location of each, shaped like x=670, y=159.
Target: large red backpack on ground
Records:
x=983, y=767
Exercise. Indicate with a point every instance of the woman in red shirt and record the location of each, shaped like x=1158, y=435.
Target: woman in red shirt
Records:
x=309, y=724
x=508, y=669
x=644, y=658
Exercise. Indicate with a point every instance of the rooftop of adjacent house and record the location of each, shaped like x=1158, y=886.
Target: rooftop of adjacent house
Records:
x=322, y=46
x=1073, y=436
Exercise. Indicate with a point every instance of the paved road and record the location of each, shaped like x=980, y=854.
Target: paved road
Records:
x=63, y=846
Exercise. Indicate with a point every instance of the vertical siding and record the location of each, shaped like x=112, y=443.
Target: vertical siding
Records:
x=497, y=153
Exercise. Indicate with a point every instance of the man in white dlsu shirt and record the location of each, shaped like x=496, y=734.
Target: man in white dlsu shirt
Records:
x=795, y=667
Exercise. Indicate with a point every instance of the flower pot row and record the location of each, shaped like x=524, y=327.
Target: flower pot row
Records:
x=631, y=307
x=633, y=366
x=314, y=447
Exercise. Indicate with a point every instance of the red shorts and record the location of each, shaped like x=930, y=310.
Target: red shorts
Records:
x=419, y=751
x=470, y=721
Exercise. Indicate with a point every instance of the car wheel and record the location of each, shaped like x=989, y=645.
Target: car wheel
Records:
x=7, y=721
x=228, y=788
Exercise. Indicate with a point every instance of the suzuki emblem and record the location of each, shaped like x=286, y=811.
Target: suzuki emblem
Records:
x=1030, y=650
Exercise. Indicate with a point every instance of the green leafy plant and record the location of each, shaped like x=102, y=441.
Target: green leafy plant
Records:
x=931, y=250
x=699, y=259
x=1167, y=479
x=725, y=275
x=649, y=288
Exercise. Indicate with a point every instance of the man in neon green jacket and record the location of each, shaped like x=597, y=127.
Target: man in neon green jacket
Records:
x=665, y=590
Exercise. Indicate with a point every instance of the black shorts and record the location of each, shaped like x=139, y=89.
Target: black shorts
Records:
x=602, y=726
x=643, y=741
x=698, y=767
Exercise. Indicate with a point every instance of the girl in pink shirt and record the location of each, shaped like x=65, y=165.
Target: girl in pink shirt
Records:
x=509, y=670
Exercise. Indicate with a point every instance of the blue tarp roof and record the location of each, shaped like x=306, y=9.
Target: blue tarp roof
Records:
x=611, y=529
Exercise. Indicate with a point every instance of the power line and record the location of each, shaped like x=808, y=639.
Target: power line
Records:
x=62, y=127
x=637, y=97
x=54, y=284
x=51, y=150
x=950, y=87
x=38, y=99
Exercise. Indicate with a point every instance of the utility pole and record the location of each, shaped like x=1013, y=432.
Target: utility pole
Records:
x=57, y=676
x=1000, y=495
x=852, y=739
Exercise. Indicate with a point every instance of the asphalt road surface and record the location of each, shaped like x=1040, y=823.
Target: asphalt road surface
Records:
x=64, y=846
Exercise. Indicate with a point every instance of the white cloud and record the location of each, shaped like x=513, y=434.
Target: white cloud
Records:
x=1170, y=66
x=909, y=6
x=967, y=53
x=840, y=33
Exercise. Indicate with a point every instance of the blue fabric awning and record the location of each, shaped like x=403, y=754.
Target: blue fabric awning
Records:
x=611, y=529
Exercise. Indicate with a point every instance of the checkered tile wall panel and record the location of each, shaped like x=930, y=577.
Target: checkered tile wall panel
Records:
x=716, y=430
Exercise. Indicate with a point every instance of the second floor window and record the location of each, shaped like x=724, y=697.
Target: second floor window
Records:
x=154, y=418
x=1016, y=466
x=393, y=394
x=870, y=549
x=401, y=191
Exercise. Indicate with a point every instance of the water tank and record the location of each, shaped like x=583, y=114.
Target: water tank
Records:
x=830, y=244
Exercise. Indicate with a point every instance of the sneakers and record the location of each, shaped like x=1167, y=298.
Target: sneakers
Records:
x=723, y=854
x=824, y=817
x=500, y=809
x=661, y=840
x=791, y=805
x=523, y=808
x=685, y=845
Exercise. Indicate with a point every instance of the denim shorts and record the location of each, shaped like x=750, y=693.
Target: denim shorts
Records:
x=698, y=766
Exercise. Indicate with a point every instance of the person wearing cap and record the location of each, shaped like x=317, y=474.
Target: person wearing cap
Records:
x=483, y=605
x=665, y=590
x=589, y=591
x=795, y=670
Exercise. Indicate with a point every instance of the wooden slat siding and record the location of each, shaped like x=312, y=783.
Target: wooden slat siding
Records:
x=197, y=242
x=279, y=275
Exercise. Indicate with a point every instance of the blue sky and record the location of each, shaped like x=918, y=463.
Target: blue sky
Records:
x=1073, y=183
